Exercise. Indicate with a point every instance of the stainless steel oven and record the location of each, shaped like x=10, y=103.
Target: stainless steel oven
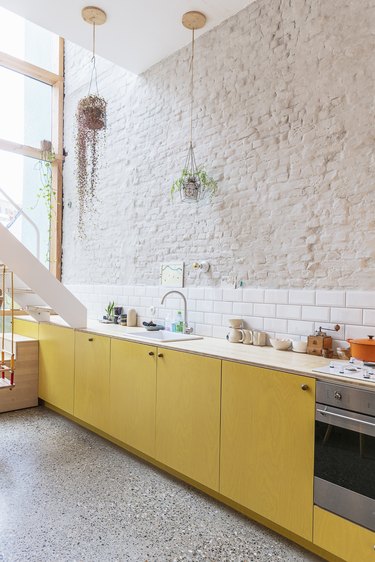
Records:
x=344, y=472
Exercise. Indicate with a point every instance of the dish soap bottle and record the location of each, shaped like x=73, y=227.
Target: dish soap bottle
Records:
x=179, y=322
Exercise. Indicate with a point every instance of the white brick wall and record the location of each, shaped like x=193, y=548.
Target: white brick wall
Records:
x=284, y=101
x=286, y=113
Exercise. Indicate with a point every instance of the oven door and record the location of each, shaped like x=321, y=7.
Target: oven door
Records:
x=344, y=473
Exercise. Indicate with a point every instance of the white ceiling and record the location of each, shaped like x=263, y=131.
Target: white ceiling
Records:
x=138, y=33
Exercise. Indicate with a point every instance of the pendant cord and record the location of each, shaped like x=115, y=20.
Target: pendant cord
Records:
x=192, y=89
x=93, y=60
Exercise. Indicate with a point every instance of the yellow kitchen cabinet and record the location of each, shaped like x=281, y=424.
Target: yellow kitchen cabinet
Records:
x=133, y=394
x=91, y=389
x=188, y=415
x=56, y=366
x=26, y=328
x=267, y=444
x=346, y=540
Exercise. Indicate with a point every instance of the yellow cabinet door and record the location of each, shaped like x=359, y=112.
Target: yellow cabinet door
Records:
x=91, y=389
x=27, y=328
x=133, y=394
x=188, y=415
x=267, y=444
x=56, y=366
x=350, y=542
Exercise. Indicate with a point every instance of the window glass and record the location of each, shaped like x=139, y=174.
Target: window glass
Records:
x=29, y=42
x=25, y=109
x=21, y=185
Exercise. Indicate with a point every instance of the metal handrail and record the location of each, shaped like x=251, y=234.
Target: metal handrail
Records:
x=22, y=212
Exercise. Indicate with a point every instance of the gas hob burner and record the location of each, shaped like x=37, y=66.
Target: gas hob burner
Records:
x=349, y=370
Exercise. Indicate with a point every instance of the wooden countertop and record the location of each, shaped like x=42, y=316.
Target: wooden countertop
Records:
x=267, y=357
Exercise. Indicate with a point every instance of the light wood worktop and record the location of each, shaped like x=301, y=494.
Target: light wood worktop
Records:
x=267, y=357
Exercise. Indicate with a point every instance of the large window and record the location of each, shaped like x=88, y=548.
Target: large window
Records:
x=31, y=98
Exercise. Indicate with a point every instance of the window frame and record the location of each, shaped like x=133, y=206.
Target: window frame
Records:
x=56, y=81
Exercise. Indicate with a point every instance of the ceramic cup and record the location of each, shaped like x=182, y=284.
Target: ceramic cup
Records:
x=235, y=322
x=235, y=335
x=259, y=338
x=248, y=337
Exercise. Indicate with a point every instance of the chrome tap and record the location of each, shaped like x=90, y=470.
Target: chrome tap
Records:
x=187, y=330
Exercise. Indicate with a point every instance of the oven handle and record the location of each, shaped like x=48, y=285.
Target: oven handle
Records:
x=347, y=421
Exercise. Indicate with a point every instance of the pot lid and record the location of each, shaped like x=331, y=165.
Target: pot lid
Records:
x=364, y=341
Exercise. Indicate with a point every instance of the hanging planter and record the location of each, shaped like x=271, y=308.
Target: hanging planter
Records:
x=90, y=137
x=194, y=183
x=91, y=122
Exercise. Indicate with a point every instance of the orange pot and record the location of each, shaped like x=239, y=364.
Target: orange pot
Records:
x=363, y=349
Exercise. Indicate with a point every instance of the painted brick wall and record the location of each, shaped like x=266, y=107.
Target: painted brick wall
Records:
x=285, y=122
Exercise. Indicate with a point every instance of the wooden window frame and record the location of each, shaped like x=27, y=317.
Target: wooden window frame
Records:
x=56, y=81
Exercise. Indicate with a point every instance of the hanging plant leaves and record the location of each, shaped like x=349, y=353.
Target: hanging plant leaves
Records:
x=90, y=138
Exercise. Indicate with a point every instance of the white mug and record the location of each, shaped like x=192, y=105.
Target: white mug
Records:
x=235, y=322
x=235, y=335
x=259, y=338
x=248, y=337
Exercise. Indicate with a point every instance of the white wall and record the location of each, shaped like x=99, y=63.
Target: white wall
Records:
x=285, y=113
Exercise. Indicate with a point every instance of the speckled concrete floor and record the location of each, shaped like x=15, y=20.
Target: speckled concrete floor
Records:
x=67, y=495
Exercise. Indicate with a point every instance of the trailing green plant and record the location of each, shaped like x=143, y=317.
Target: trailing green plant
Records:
x=89, y=144
x=45, y=193
x=198, y=180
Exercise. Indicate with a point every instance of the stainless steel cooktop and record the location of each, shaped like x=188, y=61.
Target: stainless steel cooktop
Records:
x=353, y=369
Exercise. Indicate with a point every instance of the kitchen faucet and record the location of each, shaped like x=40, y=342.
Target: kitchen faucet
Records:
x=187, y=330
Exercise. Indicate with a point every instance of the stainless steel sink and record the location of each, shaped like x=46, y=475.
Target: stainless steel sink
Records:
x=165, y=336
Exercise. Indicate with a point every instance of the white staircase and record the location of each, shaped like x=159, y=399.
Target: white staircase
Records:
x=35, y=288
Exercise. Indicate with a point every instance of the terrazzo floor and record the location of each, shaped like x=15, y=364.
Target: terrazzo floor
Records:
x=68, y=495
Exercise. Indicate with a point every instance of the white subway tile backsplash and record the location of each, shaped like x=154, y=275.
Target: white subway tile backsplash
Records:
x=276, y=296
x=251, y=322
x=359, y=331
x=300, y=327
x=253, y=295
x=291, y=311
x=219, y=332
x=139, y=290
x=210, y=309
x=265, y=310
x=203, y=330
x=152, y=291
x=330, y=298
x=242, y=309
x=223, y=306
x=360, y=299
x=196, y=317
x=275, y=325
x=301, y=296
x=316, y=313
x=212, y=318
x=347, y=315
x=213, y=294
x=234, y=295
x=205, y=306
x=369, y=317
x=195, y=293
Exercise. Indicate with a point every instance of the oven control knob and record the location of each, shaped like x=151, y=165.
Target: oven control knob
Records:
x=337, y=395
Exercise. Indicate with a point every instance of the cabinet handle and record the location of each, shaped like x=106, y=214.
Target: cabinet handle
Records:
x=151, y=353
x=305, y=386
x=160, y=355
x=91, y=339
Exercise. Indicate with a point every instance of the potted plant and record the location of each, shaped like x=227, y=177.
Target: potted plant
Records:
x=109, y=311
x=194, y=184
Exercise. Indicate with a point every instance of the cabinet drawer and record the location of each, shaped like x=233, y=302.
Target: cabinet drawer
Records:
x=347, y=540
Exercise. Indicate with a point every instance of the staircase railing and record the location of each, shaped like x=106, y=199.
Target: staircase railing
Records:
x=20, y=212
